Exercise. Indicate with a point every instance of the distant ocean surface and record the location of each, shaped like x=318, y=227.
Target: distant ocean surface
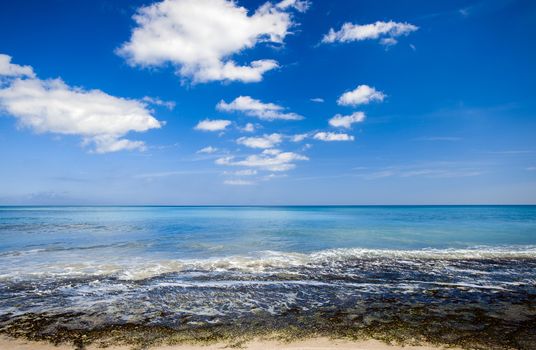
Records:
x=452, y=274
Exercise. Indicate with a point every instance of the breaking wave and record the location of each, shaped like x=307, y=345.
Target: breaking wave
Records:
x=139, y=268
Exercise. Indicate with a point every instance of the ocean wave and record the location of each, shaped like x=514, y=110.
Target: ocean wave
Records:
x=136, y=268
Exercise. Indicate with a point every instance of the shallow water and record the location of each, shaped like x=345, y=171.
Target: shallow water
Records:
x=456, y=275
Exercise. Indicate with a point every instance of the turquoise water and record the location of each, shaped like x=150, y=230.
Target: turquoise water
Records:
x=218, y=265
x=41, y=239
x=201, y=232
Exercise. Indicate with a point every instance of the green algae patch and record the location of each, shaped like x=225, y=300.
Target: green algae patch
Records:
x=416, y=326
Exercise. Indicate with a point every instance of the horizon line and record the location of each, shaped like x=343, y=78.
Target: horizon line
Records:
x=266, y=205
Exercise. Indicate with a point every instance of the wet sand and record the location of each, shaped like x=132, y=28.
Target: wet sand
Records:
x=313, y=343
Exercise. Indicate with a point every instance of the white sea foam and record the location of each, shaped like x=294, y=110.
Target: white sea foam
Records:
x=131, y=268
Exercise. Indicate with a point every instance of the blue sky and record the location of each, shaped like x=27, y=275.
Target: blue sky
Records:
x=214, y=102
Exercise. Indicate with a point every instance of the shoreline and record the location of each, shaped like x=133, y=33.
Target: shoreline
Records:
x=256, y=344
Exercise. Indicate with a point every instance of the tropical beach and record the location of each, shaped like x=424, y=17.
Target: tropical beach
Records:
x=267, y=174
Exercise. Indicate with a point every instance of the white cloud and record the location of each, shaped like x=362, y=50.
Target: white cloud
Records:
x=238, y=182
x=363, y=94
x=388, y=42
x=249, y=127
x=346, y=121
x=298, y=137
x=230, y=71
x=332, y=136
x=300, y=6
x=265, y=141
x=100, y=119
x=156, y=101
x=213, y=125
x=281, y=161
x=256, y=108
x=208, y=150
x=385, y=31
x=272, y=151
x=245, y=172
x=199, y=37
x=110, y=143
x=8, y=69
x=317, y=100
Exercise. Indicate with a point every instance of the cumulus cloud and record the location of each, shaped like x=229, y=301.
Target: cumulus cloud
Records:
x=386, y=32
x=280, y=161
x=51, y=106
x=255, y=108
x=200, y=37
x=208, y=150
x=363, y=94
x=8, y=69
x=332, y=136
x=346, y=121
x=212, y=125
x=265, y=141
x=317, y=100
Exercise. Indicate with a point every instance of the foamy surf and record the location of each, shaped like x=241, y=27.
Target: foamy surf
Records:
x=133, y=268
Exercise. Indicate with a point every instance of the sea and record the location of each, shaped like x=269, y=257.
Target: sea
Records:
x=454, y=275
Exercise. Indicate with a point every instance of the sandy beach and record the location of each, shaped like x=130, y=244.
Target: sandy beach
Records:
x=314, y=343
